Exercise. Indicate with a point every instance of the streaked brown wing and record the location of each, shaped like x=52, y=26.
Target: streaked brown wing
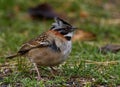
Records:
x=40, y=41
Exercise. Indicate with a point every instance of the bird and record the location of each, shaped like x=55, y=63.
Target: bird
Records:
x=50, y=48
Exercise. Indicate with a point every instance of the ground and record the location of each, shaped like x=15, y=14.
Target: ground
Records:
x=86, y=65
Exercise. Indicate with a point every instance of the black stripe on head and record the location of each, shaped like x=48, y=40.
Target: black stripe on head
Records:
x=64, y=33
x=68, y=38
x=64, y=22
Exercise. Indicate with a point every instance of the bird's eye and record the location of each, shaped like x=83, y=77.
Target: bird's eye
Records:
x=52, y=27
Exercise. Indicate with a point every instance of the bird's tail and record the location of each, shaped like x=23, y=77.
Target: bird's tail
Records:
x=12, y=56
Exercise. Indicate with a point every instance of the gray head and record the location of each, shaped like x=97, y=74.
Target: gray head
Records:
x=63, y=28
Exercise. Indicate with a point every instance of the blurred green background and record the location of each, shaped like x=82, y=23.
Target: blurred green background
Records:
x=86, y=66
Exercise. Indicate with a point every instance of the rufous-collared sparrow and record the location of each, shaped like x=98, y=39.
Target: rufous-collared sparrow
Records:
x=51, y=48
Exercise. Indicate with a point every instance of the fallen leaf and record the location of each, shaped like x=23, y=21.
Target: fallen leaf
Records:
x=84, y=14
x=16, y=9
x=81, y=35
x=44, y=10
x=110, y=48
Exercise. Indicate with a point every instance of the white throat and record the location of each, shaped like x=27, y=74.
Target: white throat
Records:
x=69, y=34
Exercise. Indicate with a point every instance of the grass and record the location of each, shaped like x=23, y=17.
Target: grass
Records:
x=85, y=67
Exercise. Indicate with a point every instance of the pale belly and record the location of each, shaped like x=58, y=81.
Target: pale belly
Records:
x=47, y=57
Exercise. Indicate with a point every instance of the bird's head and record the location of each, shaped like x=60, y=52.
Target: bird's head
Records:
x=63, y=28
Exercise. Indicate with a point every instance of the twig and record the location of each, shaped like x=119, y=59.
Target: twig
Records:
x=101, y=63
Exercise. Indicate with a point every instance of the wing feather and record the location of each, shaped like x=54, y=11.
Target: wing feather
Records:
x=40, y=41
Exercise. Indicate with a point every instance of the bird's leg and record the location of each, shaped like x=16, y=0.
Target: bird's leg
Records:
x=38, y=73
x=53, y=71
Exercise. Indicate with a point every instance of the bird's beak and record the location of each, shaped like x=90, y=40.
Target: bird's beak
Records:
x=74, y=28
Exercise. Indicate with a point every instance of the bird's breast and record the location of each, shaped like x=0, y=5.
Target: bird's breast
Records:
x=66, y=49
x=48, y=57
